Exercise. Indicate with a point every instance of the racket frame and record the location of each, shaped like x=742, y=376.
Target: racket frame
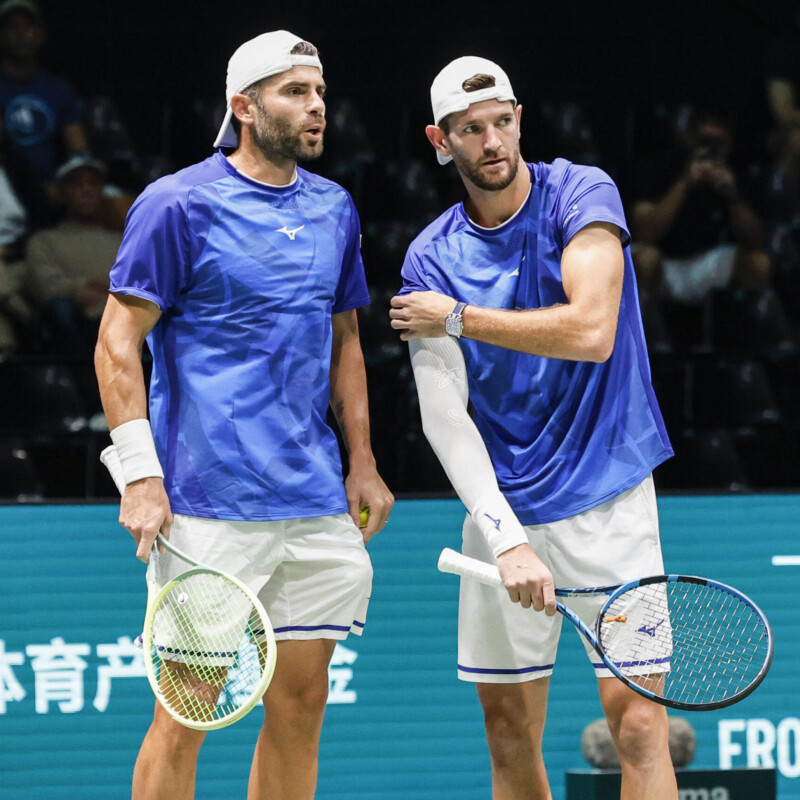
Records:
x=465, y=566
x=110, y=460
x=154, y=598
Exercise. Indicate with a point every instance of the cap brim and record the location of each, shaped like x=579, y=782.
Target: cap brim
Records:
x=226, y=137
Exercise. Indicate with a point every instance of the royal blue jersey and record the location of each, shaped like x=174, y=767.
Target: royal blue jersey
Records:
x=247, y=277
x=564, y=436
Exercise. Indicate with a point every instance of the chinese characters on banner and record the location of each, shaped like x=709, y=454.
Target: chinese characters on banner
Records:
x=59, y=669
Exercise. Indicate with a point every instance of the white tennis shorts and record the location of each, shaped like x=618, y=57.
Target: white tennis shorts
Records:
x=313, y=576
x=499, y=641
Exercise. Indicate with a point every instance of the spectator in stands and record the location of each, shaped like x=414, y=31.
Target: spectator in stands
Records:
x=21, y=212
x=68, y=265
x=14, y=311
x=39, y=110
x=694, y=229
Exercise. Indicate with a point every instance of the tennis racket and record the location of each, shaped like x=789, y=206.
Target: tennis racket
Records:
x=688, y=643
x=209, y=648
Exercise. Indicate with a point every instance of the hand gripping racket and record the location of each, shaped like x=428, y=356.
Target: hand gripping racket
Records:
x=687, y=643
x=209, y=648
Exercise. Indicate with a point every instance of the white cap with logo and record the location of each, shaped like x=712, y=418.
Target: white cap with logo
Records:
x=266, y=55
x=448, y=95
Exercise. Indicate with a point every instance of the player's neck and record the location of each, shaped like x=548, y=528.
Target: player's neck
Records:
x=492, y=208
x=253, y=163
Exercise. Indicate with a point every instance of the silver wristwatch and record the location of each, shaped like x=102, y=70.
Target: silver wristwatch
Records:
x=454, y=323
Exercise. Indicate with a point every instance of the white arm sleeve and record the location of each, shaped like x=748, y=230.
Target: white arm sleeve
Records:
x=441, y=378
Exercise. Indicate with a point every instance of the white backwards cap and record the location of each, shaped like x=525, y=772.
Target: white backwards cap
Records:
x=449, y=96
x=266, y=55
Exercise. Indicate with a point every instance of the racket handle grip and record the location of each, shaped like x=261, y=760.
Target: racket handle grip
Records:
x=459, y=564
x=112, y=463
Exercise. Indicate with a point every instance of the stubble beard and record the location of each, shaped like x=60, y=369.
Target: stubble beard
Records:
x=472, y=171
x=275, y=137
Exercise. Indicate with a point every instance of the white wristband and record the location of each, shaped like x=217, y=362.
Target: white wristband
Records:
x=137, y=450
x=498, y=523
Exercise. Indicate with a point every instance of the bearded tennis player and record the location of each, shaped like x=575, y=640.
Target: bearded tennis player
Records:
x=243, y=273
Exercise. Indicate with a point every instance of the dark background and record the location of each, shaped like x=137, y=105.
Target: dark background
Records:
x=165, y=63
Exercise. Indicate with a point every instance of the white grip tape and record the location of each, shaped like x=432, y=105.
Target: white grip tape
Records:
x=136, y=450
x=459, y=564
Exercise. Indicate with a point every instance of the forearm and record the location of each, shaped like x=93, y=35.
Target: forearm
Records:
x=440, y=376
x=349, y=401
x=121, y=379
x=118, y=358
x=564, y=331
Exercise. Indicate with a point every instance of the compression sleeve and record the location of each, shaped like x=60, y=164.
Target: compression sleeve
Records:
x=441, y=378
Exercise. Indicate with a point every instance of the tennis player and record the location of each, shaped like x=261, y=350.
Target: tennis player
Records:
x=522, y=300
x=243, y=272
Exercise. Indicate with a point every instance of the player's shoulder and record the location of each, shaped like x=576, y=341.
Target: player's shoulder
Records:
x=562, y=174
x=446, y=225
x=320, y=185
x=175, y=189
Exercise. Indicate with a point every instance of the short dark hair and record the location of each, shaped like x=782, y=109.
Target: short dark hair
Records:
x=305, y=49
x=473, y=84
x=254, y=90
x=477, y=82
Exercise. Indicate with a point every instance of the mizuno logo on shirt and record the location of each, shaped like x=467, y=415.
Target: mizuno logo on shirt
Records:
x=513, y=274
x=290, y=233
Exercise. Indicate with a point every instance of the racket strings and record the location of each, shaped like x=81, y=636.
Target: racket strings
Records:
x=686, y=642
x=205, y=652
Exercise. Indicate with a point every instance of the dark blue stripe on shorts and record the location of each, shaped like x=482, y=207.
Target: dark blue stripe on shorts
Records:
x=520, y=671
x=312, y=628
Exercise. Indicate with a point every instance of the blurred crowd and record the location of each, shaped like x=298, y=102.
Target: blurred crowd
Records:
x=713, y=205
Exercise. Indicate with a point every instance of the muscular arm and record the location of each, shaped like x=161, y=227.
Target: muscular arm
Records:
x=144, y=509
x=351, y=408
x=440, y=375
x=582, y=329
x=118, y=357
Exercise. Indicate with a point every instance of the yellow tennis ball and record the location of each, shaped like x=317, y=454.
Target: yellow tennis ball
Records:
x=363, y=517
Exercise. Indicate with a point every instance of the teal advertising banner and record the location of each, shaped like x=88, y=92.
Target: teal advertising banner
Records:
x=74, y=703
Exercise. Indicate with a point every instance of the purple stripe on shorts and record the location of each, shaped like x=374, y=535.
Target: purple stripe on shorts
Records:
x=312, y=628
x=521, y=671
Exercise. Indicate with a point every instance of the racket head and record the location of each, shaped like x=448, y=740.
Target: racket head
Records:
x=209, y=649
x=685, y=642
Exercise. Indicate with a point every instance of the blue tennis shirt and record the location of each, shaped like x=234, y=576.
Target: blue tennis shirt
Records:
x=564, y=436
x=247, y=277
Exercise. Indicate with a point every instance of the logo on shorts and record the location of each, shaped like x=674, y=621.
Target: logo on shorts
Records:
x=651, y=630
x=290, y=233
x=496, y=522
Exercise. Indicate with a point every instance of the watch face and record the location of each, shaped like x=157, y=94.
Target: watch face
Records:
x=453, y=325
